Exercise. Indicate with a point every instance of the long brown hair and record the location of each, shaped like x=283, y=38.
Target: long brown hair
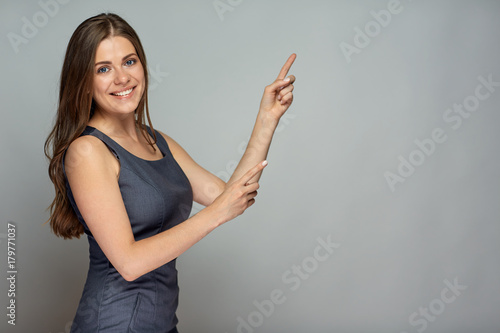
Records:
x=76, y=107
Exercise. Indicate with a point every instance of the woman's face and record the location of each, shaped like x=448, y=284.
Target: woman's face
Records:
x=118, y=77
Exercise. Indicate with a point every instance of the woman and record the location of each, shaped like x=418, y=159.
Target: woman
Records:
x=130, y=188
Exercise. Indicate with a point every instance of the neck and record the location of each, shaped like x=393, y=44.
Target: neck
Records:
x=115, y=126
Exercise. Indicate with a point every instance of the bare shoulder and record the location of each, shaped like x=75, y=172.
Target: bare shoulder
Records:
x=175, y=147
x=89, y=153
x=166, y=137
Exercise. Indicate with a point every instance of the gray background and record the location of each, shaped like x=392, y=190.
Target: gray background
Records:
x=350, y=123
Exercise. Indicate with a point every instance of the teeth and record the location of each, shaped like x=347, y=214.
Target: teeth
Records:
x=124, y=93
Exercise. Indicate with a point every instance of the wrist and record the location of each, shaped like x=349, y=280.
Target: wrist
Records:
x=211, y=215
x=266, y=119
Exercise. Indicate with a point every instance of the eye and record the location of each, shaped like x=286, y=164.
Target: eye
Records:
x=130, y=62
x=103, y=70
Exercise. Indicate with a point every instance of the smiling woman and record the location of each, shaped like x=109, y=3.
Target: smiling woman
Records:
x=129, y=187
x=119, y=81
x=77, y=106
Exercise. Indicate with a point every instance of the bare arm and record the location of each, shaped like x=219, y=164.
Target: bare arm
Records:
x=92, y=173
x=276, y=100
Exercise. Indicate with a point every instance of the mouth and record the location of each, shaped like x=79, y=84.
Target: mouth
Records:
x=123, y=93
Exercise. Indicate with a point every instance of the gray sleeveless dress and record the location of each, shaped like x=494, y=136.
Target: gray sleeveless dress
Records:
x=157, y=196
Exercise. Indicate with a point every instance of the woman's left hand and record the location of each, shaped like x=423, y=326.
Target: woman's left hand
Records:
x=278, y=95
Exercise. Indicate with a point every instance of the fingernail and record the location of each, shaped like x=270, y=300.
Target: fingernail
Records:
x=264, y=163
x=287, y=79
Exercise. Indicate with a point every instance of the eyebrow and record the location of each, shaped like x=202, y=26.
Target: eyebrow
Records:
x=109, y=62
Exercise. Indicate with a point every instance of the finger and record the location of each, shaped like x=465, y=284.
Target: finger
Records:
x=250, y=202
x=252, y=172
x=280, y=84
x=252, y=187
x=287, y=99
x=284, y=91
x=251, y=195
x=286, y=66
x=289, y=80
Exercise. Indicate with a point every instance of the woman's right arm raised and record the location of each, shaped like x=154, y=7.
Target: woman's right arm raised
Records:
x=92, y=173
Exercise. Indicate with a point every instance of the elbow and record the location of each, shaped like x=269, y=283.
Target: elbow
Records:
x=128, y=271
x=126, y=274
x=129, y=277
x=127, y=263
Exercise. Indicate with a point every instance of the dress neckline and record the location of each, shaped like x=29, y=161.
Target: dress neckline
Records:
x=129, y=153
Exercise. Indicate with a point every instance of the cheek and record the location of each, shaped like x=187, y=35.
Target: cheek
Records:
x=97, y=86
x=138, y=73
x=99, y=92
x=141, y=79
x=101, y=86
x=140, y=76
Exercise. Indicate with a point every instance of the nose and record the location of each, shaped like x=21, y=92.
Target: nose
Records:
x=121, y=76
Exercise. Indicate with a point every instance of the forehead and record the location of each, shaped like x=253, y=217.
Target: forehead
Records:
x=112, y=48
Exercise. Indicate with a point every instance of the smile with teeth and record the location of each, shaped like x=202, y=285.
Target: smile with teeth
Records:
x=123, y=93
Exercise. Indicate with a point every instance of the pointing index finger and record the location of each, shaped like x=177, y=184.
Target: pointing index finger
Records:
x=253, y=171
x=286, y=66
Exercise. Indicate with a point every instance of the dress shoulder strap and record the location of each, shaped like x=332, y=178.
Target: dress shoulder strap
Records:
x=110, y=143
x=160, y=141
